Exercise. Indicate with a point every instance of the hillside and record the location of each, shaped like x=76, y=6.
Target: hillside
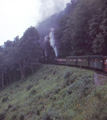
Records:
x=55, y=93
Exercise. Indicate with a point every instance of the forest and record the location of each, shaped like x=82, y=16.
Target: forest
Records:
x=80, y=29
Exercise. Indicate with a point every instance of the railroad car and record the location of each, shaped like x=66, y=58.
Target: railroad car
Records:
x=96, y=62
x=48, y=60
x=61, y=61
x=105, y=63
x=71, y=60
x=83, y=61
x=90, y=61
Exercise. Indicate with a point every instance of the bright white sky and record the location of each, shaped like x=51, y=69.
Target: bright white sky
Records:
x=17, y=15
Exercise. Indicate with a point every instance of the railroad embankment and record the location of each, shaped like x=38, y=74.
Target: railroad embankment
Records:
x=55, y=93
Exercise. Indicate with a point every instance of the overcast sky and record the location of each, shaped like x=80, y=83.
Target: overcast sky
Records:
x=17, y=15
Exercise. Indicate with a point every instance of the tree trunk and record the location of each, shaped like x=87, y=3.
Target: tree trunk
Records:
x=2, y=81
x=14, y=75
x=32, y=69
x=10, y=77
x=7, y=79
x=21, y=71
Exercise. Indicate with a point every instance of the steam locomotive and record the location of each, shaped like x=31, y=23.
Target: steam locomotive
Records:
x=90, y=61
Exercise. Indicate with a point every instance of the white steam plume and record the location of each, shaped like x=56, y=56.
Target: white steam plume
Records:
x=52, y=41
x=46, y=39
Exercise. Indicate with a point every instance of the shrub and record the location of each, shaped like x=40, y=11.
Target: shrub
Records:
x=47, y=95
x=13, y=117
x=69, y=90
x=9, y=106
x=52, y=114
x=16, y=85
x=4, y=99
x=54, y=72
x=44, y=77
x=29, y=87
x=66, y=82
x=2, y=116
x=33, y=92
x=46, y=117
x=51, y=96
x=5, y=111
x=38, y=97
x=56, y=90
x=69, y=80
x=37, y=112
x=82, y=87
x=67, y=74
x=86, y=85
x=15, y=107
x=21, y=116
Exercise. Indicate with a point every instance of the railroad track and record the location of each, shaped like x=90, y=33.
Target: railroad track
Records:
x=102, y=73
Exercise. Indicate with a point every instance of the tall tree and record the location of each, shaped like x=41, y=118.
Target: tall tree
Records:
x=98, y=28
x=1, y=67
x=28, y=51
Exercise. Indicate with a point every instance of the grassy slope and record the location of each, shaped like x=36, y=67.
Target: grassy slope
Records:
x=55, y=93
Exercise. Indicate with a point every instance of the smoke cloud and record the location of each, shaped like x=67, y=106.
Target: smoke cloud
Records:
x=17, y=16
x=49, y=23
x=49, y=7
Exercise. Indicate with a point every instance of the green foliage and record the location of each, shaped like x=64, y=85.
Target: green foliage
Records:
x=67, y=74
x=18, y=58
x=13, y=117
x=2, y=117
x=33, y=92
x=98, y=29
x=83, y=86
x=69, y=78
x=83, y=30
x=98, y=44
x=4, y=99
x=51, y=114
x=21, y=116
x=29, y=87
x=80, y=99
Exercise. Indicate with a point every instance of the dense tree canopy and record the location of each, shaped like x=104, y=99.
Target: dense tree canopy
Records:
x=18, y=57
x=84, y=29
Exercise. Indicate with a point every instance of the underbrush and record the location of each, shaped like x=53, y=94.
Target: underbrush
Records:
x=55, y=93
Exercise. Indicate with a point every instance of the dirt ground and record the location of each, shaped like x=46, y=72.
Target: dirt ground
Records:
x=100, y=79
